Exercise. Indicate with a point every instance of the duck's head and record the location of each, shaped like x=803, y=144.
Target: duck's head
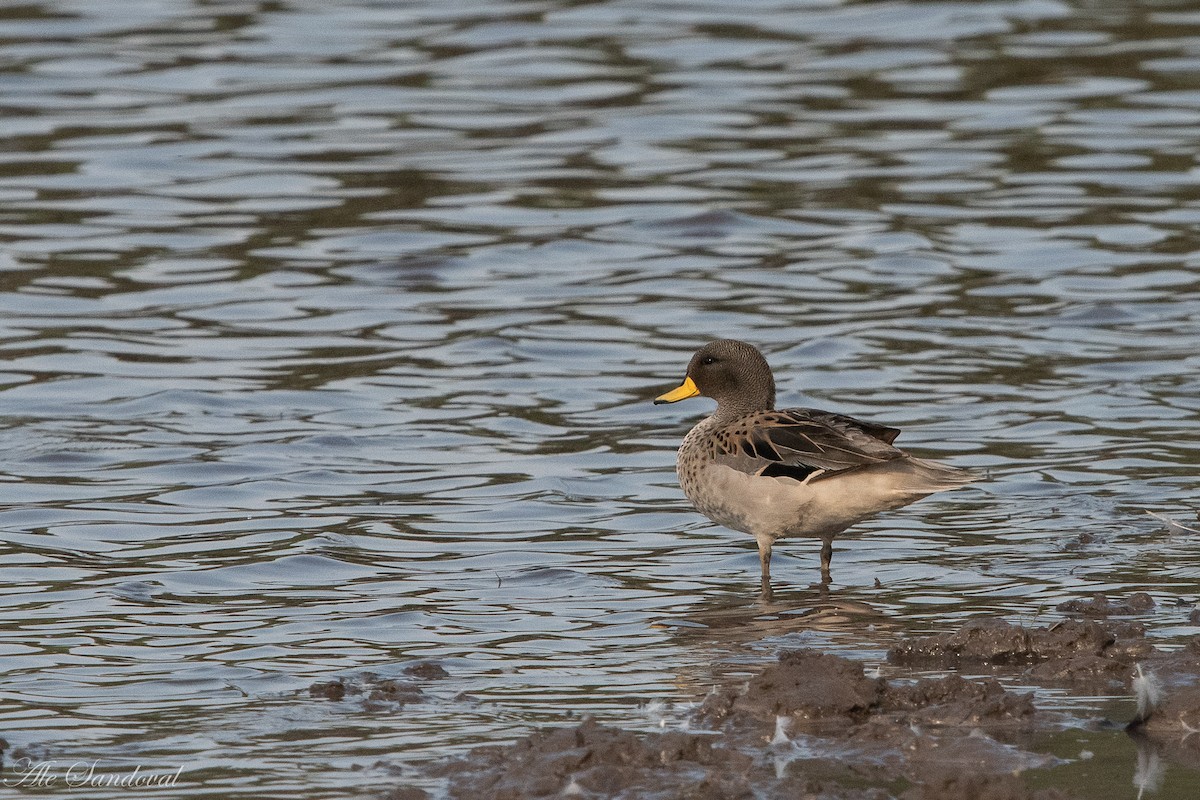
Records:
x=733, y=373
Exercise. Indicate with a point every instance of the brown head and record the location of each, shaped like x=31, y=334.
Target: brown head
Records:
x=733, y=373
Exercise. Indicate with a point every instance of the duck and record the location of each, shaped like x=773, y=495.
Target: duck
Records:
x=794, y=472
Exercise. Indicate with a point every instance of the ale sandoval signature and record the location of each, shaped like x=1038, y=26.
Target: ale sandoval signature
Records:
x=26, y=772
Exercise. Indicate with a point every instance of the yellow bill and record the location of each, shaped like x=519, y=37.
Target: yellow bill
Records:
x=685, y=390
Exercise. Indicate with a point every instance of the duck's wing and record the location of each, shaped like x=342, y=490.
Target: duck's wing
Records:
x=802, y=442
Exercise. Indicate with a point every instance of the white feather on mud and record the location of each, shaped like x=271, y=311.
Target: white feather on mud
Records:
x=1148, y=691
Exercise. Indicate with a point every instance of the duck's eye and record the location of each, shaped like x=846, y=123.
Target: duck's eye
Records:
x=708, y=360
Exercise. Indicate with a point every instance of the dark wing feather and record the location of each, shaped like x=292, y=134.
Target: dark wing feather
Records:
x=799, y=442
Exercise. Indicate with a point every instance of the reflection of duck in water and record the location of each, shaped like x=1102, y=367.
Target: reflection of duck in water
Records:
x=727, y=621
x=728, y=631
x=791, y=472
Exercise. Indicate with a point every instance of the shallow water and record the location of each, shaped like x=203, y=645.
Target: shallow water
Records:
x=330, y=330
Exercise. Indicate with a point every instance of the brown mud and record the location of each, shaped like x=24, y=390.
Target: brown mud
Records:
x=1089, y=656
x=817, y=725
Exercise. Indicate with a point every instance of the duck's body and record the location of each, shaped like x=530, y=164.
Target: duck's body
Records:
x=791, y=472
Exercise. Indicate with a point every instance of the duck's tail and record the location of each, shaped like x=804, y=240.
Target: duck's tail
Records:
x=922, y=476
x=840, y=499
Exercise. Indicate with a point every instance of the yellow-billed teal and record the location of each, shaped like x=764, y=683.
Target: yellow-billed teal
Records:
x=790, y=472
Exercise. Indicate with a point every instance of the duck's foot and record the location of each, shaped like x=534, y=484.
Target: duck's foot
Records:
x=767, y=594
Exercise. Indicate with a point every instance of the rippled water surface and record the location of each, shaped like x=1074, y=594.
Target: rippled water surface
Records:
x=330, y=329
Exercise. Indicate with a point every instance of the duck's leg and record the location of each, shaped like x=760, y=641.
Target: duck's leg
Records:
x=826, y=557
x=764, y=560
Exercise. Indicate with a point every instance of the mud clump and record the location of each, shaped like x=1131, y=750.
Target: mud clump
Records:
x=955, y=701
x=390, y=691
x=592, y=759
x=901, y=728
x=1100, y=607
x=1085, y=653
x=426, y=671
x=810, y=685
x=819, y=691
x=993, y=641
x=376, y=693
x=328, y=690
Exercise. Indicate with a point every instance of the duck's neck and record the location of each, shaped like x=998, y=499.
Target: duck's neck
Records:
x=733, y=407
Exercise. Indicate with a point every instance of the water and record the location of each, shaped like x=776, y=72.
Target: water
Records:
x=330, y=330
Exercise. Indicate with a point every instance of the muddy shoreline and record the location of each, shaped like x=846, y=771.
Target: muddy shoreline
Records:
x=815, y=724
